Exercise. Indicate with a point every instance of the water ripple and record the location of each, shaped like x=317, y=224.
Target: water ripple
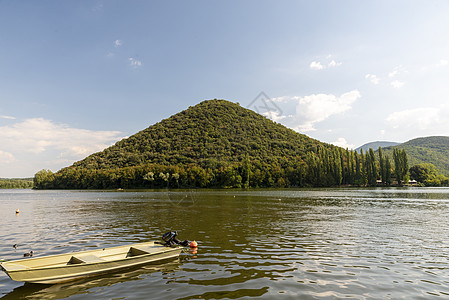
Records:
x=321, y=243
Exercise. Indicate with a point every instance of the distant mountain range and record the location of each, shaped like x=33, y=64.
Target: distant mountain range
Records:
x=433, y=149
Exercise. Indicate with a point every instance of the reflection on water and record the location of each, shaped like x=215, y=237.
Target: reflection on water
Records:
x=356, y=243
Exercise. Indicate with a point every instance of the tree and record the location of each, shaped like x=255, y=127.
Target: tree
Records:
x=422, y=172
x=371, y=170
x=149, y=176
x=400, y=165
x=175, y=176
x=165, y=177
x=358, y=171
x=382, y=167
x=387, y=170
x=43, y=179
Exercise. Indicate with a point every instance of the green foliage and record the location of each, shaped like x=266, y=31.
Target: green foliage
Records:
x=44, y=179
x=400, y=165
x=16, y=183
x=434, y=150
x=427, y=174
x=422, y=172
x=215, y=144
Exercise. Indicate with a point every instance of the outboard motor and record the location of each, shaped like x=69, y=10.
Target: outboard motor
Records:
x=171, y=240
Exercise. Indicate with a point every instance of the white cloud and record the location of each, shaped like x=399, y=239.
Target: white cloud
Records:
x=341, y=142
x=373, y=78
x=38, y=136
x=311, y=109
x=6, y=157
x=397, y=84
x=316, y=65
x=418, y=118
x=134, y=62
x=421, y=121
x=317, y=108
x=7, y=117
x=393, y=73
x=396, y=71
x=118, y=43
x=274, y=115
x=333, y=63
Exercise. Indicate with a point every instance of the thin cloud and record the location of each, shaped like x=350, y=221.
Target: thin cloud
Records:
x=373, y=78
x=316, y=65
x=418, y=118
x=333, y=64
x=7, y=117
x=118, y=43
x=397, y=84
x=397, y=71
x=135, y=63
x=420, y=121
x=39, y=136
x=341, y=142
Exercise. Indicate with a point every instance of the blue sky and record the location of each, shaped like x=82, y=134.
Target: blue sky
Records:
x=77, y=76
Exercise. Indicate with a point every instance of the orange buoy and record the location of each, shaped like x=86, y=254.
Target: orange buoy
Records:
x=193, y=244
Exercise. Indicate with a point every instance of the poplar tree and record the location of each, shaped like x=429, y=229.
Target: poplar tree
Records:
x=371, y=167
x=387, y=170
x=382, y=170
x=363, y=168
x=358, y=171
x=400, y=165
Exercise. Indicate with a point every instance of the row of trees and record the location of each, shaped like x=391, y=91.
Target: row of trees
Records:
x=323, y=167
x=16, y=183
x=344, y=167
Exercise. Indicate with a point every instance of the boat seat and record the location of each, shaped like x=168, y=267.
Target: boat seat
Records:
x=141, y=250
x=85, y=259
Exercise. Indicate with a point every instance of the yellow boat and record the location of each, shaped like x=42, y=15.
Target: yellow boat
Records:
x=66, y=267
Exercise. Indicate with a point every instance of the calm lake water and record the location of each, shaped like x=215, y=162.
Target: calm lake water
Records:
x=283, y=244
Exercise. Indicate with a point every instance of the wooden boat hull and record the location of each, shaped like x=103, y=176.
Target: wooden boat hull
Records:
x=66, y=267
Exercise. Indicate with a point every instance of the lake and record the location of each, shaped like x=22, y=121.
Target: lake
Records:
x=283, y=244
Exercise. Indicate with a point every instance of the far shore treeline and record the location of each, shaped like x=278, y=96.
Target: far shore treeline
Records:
x=16, y=183
x=220, y=144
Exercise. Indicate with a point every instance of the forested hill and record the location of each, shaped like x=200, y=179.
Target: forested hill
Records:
x=434, y=150
x=216, y=143
x=210, y=133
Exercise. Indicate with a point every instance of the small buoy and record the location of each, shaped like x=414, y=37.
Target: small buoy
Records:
x=17, y=211
x=193, y=244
